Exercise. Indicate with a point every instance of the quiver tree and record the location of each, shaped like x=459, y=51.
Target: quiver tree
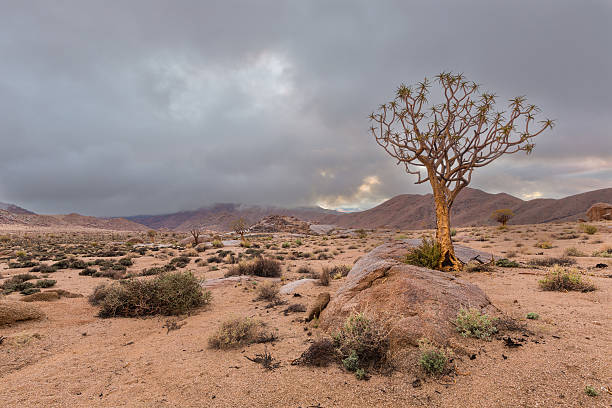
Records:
x=502, y=215
x=195, y=233
x=442, y=141
x=240, y=227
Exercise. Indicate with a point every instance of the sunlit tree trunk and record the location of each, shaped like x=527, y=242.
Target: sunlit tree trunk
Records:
x=442, y=204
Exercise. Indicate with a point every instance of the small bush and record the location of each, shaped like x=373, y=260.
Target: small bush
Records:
x=305, y=270
x=565, y=279
x=590, y=391
x=565, y=261
x=433, y=360
x=507, y=263
x=45, y=283
x=572, y=251
x=471, y=323
x=319, y=354
x=427, y=254
x=324, y=277
x=362, y=340
x=604, y=253
x=267, y=291
x=264, y=267
x=217, y=244
x=533, y=316
x=544, y=245
x=589, y=229
x=240, y=332
x=166, y=294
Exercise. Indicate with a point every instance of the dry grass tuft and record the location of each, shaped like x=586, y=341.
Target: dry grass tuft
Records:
x=240, y=332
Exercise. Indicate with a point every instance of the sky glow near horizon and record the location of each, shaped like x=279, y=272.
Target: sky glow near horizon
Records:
x=156, y=106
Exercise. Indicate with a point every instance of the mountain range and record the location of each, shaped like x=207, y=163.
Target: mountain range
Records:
x=405, y=211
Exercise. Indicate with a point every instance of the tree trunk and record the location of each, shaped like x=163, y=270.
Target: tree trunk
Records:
x=448, y=260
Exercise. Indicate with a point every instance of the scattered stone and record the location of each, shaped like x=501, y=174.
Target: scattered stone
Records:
x=290, y=287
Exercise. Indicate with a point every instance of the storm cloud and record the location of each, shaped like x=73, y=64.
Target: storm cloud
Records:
x=122, y=108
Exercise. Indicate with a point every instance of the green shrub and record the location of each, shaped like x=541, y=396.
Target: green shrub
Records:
x=564, y=261
x=45, y=283
x=240, y=332
x=544, y=245
x=507, y=263
x=604, y=253
x=217, y=244
x=427, y=254
x=589, y=229
x=166, y=294
x=360, y=374
x=590, y=391
x=361, y=341
x=433, y=360
x=565, y=279
x=18, y=283
x=533, y=316
x=471, y=323
x=351, y=363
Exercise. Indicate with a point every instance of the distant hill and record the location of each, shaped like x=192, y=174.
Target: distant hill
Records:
x=406, y=211
x=13, y=209
x=11, y=214
x=220, y=216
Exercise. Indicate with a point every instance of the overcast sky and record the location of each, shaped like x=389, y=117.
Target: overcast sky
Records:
x=132, y=107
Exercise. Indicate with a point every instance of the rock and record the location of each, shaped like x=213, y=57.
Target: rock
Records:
x=414, y=302
x=11, y=312
x=291, y=287
x=41, y=297
x=322, y=228
x=281, y=223
x=600, y=212
x=318, y=306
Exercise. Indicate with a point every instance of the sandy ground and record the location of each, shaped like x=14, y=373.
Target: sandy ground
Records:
x=74, y=359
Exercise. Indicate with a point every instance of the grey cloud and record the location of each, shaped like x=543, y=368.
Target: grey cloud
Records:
x=154, y=106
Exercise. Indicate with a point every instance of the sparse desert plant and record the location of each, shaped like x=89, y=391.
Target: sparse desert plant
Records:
x=361, y=233
x=307, y=270
x=604, y=253
x=433, y=360
x=166, y=294
x=590, y=391
x=589, y=229
x=472, y=323
x=319, y=354
x=563, y=279
x=267, y=291
x=427, y=254
x=324, y=276
x=502, y=216
x=544, y=244
x=551, y=261
x=240, y=227
x=507, y=263
x=362, y=343
x=217, y=243
x=572, y=251
x=240, y=332
x=263, y=267
x=533, y=316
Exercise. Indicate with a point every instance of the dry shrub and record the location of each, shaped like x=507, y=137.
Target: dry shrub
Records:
x=307, y=270
x=362, y=343
x=240, y=332
x=564, y=261
x=264, y=267
x=267, y=291
x=167, y=294
x=319, y=354
x=324, y=276
x=11, y=312
x=294, y=308
x=41, y=297
x=565, y=279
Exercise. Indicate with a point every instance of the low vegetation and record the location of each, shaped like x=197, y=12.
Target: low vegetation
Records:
x=166, y=294
x=472, y=323
x=563, y=279
x=240, y=332
x=433, y=360
x=263, y=267
x=427, y=254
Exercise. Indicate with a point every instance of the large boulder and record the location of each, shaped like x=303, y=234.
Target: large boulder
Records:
x=411, y=301
x=600, y=212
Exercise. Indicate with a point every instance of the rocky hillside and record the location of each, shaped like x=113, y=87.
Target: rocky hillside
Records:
x=406, y=211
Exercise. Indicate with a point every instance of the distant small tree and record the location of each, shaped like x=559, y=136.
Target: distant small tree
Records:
x=151, y=234
x=444, y=140
x=240, y=227
x=196, y=236
x=502, y=215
